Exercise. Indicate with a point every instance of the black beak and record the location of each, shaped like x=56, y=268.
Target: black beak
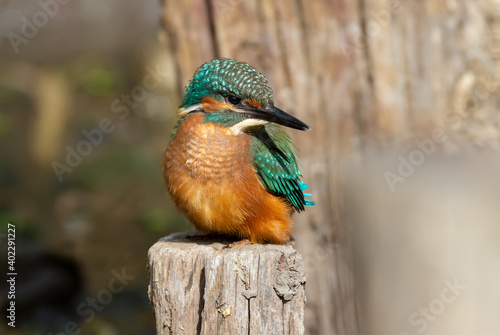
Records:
x=275, y=115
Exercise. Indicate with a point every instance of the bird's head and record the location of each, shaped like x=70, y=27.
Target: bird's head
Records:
x=234, y=94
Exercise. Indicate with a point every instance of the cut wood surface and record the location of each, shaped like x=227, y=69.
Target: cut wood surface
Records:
x=197, y=287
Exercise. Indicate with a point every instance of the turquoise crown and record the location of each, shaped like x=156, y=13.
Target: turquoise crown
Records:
x=222, y=77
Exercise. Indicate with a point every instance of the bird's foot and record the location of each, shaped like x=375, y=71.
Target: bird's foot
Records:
x=237, y=244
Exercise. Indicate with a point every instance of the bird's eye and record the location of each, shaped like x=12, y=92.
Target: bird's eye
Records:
x=233, y=100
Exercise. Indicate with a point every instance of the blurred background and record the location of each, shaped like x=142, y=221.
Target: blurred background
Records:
x=402, y=161
x=76, y=64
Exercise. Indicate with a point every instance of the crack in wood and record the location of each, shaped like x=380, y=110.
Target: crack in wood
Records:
x=213, y=28
x=202, y=301
x=214, y=289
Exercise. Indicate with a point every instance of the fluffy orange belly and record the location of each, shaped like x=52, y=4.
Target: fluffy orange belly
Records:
x=212, y=181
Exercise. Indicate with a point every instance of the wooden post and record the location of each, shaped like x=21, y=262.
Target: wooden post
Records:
x=196, y=287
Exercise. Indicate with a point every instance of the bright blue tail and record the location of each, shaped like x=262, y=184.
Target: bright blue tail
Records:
x=304, y=187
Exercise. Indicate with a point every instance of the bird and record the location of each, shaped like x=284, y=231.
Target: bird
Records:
x=230, y=167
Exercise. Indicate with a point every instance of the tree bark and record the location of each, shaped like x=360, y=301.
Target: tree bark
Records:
x=368, y=77
x=295, y=44
x=196, y=287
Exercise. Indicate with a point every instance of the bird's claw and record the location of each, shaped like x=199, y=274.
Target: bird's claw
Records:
x=237, y=244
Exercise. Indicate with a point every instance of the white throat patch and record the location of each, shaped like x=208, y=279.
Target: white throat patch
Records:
x=245, y=126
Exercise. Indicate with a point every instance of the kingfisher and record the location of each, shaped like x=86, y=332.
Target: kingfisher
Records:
x=229, y=167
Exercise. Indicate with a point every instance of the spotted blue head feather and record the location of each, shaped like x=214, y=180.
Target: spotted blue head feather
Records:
x=222, y=77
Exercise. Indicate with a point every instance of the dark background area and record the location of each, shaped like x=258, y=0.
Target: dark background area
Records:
x=73, y=233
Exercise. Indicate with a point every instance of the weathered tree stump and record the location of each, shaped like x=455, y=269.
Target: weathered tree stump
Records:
x=196, y=287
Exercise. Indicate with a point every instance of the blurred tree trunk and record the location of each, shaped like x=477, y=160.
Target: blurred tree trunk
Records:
x=364, y=75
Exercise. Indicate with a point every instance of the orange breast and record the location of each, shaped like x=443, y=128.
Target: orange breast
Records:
x=211, y=179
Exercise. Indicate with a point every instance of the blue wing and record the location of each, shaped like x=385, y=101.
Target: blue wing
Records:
x=276, y=164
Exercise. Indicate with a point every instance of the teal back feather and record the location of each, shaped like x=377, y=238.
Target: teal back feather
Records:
x=276, y=164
